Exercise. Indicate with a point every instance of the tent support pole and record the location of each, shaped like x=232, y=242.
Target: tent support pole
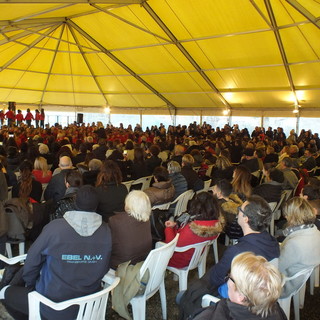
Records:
x=281, y=49
x=182, y=49
x=119, y=62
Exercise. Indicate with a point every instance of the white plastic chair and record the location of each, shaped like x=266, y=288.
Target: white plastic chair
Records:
x=198, y=260
x=214, y=243
x=182, y=202
x=21, y=248
x=272, y=206
x=91, y=307
x=145, y=181
x=206, y=186
x=209, y=170
x=9, y=193
x=286, y=302
x=156, y=262
x=128, y=184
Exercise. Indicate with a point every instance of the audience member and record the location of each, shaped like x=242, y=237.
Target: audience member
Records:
x=178, y=180
x=68, y=260
x=41, y=172
x=162, y=190
x=131, y=230
x=205, y=223
x=193, y=180
x=111, y=192
x=301, y=247
x=254, y=286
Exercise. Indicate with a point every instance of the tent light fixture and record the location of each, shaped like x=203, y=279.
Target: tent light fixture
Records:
x=296, y=109
x=107, y=110
x=226, y=112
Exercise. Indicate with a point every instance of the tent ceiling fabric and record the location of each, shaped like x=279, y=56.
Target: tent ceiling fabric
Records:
x=172, y=54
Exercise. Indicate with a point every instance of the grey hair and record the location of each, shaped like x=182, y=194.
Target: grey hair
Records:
x=174, y=167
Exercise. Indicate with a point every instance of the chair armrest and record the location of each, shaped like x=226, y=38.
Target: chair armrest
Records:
x=207, y=299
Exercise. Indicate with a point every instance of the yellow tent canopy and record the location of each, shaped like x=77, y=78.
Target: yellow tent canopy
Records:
x=159, y=54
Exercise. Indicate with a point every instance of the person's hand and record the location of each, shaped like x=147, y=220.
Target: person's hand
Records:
x=170, y=224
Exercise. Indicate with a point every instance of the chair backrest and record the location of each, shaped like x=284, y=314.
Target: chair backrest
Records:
x=209, y=170
x=128, y=184
x=302, y=276
x=287, y=193
x=157, y=262
x=91, y=307
x=182, y=202
x=200, y=251
x=145, y=181
x=296, y=187
x=272, y=205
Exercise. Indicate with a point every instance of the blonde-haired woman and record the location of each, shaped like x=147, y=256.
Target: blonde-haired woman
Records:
x=241, y=182
x=131, y=230
x=301, y=247
x=41, y=172
x=222, y=170
x=254, y=286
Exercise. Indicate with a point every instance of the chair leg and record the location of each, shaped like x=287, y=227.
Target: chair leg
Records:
x=226, y=240
x=302, y=294
x=138, y=308
x=183, y=281
x=162, y=291
x=215, y=251
x=296, y=304
x=285, y=305
x=313, y=280
x=202, y=267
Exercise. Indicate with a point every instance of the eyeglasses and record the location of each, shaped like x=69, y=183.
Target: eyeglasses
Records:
x=228, y=277
x=240, y=210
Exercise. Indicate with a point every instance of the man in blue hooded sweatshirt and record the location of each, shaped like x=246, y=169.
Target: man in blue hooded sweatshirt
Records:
x=68, y=259
x=254, y=217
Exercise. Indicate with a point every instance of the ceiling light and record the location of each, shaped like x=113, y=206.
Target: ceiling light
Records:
x=107, y=110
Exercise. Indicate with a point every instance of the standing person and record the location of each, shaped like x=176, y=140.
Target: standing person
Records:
x=10, y=116
x=19, y=117
x=37, y=118
x=29, y=116
x=68, y=260
x=1, y=117
x=42, y=116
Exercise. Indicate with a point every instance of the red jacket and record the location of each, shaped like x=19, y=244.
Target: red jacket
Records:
x=10, y=115
x=29, y=116
x=194, y=232
x=19, y=117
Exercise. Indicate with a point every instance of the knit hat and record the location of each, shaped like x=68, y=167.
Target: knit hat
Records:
x=87, y=199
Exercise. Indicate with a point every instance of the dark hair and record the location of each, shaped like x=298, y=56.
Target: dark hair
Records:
x=138, y=155
x=312, y=191
x=74, y=178
x=129, y=145
x=225, y=187
x=276, y=175
x=155, y=150
x=109, y=172
x=258, y=212
x=25, y=187
x=205, y=207
x=83, y=148
x=287, y=162
x=161, y=174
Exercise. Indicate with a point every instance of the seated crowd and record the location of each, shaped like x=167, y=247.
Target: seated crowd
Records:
x=73, y=179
